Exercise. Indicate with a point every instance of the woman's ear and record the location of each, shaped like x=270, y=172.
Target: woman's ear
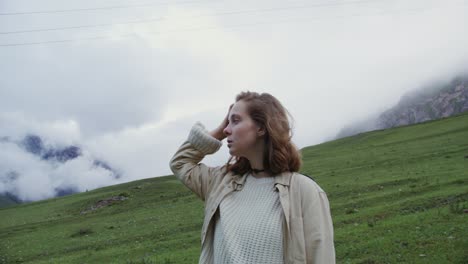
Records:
x=260, y=131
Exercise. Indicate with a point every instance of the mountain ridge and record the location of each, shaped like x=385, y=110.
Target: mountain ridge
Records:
x=431, y=102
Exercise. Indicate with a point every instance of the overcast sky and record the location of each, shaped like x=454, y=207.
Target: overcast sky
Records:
x=126, y=79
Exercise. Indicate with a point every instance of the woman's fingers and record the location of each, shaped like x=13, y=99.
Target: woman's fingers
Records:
x=218, y=133
x=226, y=119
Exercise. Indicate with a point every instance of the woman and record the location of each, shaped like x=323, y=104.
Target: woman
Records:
x=258, y=208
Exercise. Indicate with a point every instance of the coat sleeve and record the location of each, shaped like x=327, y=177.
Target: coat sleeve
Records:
x=186, y=166
x=318, y=225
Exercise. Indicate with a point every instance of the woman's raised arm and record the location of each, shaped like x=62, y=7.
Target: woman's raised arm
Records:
x=185, y=164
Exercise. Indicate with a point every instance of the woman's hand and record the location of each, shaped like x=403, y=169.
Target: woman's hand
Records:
x=218, y=132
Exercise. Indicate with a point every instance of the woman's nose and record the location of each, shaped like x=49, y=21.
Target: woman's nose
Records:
x=227, y=131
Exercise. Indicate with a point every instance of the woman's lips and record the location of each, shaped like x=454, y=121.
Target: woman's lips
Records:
x=229, y=143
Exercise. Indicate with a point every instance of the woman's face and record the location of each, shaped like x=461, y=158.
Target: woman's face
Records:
x=242, y=132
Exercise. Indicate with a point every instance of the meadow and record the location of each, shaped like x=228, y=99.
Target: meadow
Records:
x=397, y=196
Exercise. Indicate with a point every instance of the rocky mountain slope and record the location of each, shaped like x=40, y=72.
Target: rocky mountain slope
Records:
x=429, y=103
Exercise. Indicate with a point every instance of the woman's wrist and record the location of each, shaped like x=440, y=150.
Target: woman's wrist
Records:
x=202, y=140
x=219, y=135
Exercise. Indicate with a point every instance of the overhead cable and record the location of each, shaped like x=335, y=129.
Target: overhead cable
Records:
x=99, y=8
x=415, y=10
x=150, y=20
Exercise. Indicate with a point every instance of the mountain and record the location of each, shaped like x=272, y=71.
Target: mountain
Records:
x=7, y=200
x=436, y=101
x=34, y=145
x=396, y=196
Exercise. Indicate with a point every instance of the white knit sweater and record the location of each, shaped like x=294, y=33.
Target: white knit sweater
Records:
x=249, y=225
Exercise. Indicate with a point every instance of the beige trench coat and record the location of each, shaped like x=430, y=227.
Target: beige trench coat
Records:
x=307, y=225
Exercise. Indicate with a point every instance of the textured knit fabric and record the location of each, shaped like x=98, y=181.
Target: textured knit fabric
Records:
x=202, y=140
x=249, y=225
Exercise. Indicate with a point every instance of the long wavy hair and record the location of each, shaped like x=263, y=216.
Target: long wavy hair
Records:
x=280, y=154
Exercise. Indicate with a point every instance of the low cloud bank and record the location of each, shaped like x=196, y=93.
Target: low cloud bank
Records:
x=39, y=161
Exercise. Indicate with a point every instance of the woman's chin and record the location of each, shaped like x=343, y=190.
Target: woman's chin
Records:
x=232, y=152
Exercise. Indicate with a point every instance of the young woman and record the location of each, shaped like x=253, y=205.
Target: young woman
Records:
x=258, y=208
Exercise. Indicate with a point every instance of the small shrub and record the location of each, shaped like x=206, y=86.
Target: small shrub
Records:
x=457, y=207
x=459, y=181
x=351, y=211
x=141, y=261
x=124, y=194
x=168, y=261
x=82, y=232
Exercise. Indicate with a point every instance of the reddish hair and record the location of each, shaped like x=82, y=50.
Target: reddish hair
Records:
x=281, y=154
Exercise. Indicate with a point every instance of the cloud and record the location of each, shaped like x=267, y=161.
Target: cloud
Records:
x=145, y=151
x=131, y=98
x=16, y=125
x=134, y=153
x=30, y=177
x=82, y=86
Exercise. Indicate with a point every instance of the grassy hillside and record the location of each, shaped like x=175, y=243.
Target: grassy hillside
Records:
x=396, y=195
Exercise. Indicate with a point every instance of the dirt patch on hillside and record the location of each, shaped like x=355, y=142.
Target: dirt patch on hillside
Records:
x=103, y=203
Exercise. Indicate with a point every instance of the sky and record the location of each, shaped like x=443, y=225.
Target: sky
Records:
x=126, y=79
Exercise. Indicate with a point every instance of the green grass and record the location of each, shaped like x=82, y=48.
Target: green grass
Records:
x=159, y=223
x=397, y=196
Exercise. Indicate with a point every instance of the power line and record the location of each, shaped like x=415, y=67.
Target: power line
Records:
x=98, y=8
x=82, y=26
x=265, y=10
x=144, y=5
x=210, y=28
x=53, y=41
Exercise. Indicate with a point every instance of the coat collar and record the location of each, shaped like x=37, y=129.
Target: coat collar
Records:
x=283, y=178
